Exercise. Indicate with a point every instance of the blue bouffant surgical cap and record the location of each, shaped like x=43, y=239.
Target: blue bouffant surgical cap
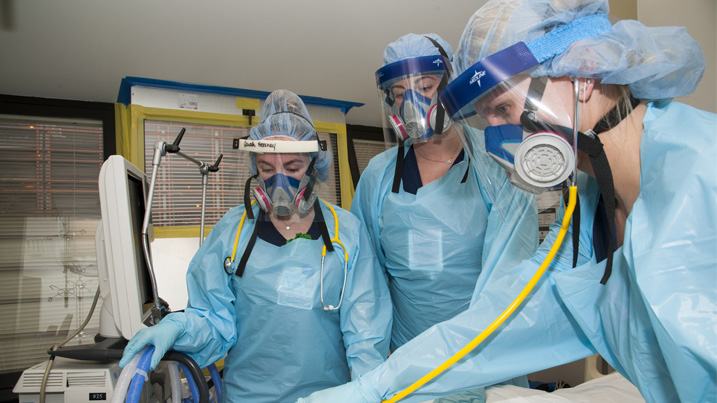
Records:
x=655, y=63
x=414, y=45
x=284, y=114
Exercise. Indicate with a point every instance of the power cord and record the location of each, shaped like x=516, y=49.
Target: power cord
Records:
x=56, y=347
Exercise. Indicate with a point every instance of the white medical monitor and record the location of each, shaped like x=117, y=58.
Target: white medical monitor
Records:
x=125, y=283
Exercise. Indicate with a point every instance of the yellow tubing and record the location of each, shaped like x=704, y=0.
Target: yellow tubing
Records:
x=336, y=232
x=500, y=319
x=241, y=224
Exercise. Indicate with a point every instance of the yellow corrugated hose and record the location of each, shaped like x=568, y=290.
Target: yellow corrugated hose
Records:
x=509, y=311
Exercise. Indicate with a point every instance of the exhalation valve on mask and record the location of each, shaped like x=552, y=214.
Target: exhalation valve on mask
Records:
x=281, y=203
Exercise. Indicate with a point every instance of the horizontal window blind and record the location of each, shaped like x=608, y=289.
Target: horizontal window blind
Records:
x=367, y=149
x=49, y=212
x=178, y=191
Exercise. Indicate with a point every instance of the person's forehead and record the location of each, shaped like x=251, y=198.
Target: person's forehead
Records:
x=413, y=78
x=513, y=89
x=281, y=157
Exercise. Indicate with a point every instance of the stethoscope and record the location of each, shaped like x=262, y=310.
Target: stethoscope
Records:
x=229, y=261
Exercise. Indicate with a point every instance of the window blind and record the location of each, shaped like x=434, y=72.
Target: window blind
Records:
x=49, y=211
x=178, y=190
x=367, y=149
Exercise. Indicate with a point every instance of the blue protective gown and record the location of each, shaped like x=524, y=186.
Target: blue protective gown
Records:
x=655, y=320
x=279, y=341
x=434, y=243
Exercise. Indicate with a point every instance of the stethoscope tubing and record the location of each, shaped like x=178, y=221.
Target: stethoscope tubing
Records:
x=228, y=262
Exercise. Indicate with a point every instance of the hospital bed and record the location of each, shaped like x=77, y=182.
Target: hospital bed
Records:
x=612, y=388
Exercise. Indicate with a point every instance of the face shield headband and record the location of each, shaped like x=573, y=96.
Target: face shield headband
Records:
x=481, y=78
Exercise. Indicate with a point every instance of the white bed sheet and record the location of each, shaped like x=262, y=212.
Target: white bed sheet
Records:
x=612, y=388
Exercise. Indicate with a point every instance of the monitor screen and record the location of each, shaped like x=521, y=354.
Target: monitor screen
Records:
x=125, y=280
x=135, y=188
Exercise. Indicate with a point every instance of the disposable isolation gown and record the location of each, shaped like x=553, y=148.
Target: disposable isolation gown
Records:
x=656, y=319
x=433, y=244
x=281, y=344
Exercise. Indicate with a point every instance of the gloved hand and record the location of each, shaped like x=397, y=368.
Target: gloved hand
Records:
x=352, y=392
x=162, y=336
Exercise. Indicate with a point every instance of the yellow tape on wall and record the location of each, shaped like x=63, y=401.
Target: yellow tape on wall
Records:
x=345, y=182
x=248, y=103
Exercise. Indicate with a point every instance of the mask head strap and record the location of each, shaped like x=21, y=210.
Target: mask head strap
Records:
x=534, y=96
x=389, y=98
x=591, y=144
x=319, y=218
x=399, y=167
x=247, y=251
x=247, y=199
x=310, y=171
x=312, y=180
x=440, y=112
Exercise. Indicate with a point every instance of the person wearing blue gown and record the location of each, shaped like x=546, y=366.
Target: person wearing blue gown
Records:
x=290, y=311
x=431, y=236
x=636, y=283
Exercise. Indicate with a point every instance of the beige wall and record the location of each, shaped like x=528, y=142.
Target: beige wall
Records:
x=700, y=19
x=623, y=9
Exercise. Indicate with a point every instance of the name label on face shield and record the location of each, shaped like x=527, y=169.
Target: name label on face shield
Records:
x=278, y=146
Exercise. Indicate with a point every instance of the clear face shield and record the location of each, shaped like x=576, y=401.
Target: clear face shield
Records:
x=408, y=94
x=528, y=126
x=285, y=180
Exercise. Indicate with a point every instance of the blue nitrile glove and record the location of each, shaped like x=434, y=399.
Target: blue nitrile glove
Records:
x=352, y=392
x=162, y=336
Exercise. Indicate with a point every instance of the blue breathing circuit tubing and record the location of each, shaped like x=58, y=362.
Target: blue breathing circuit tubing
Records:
x=190, y=382
x=140, y=377
x=217, y=380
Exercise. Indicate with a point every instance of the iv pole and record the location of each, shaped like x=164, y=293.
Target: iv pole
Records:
x=161, y=148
